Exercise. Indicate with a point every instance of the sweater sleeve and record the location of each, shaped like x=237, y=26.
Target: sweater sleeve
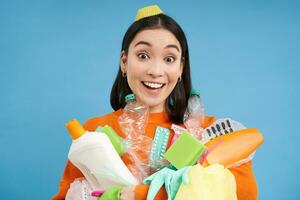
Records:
x=245, y=181
x=141, y=192
x=244, y=176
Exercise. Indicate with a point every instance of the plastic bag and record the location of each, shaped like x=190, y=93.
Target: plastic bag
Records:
x=194, y=115
x=80, y=190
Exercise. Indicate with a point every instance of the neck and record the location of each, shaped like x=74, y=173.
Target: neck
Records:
x=157, y=109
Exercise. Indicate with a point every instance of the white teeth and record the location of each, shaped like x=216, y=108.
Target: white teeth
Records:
x=153, y=85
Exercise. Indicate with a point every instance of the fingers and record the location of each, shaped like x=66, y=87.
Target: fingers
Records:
x=156, y=184
x=127, y=194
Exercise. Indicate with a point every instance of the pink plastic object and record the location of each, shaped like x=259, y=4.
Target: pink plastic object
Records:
x=97, y=193
x=202, y=159
x=178, y=130
x=175, y=137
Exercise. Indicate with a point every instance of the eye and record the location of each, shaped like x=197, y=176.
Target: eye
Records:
x=143, y=56
x=169, y=59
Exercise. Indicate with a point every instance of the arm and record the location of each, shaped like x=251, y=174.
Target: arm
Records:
x=245, y=181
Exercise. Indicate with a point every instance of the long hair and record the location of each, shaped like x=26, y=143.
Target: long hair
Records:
x=176, y=102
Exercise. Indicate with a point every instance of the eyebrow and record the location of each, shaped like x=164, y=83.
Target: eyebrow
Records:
x=148, y=44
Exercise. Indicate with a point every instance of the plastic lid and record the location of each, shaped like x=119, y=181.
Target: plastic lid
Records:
x=75, y=129
x=195, y=92
x=129, y=97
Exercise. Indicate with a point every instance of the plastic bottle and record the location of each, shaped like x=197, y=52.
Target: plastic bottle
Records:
x=95, y=156
x=133, y=122
x=134, y=119
x=194, y=115
x=120, y=145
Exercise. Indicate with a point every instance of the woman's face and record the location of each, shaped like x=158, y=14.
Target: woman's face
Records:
x=153, y=66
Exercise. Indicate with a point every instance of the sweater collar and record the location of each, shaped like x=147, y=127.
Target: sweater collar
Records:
x=159, y=117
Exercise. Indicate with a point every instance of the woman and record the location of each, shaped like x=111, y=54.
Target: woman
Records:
x=154, y=65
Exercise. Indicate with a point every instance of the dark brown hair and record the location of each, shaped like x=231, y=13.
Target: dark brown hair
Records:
x=176, y=103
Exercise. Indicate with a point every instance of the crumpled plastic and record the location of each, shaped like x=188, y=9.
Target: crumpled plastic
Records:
x=133, y=123
x=210, y=183
x=80, y=190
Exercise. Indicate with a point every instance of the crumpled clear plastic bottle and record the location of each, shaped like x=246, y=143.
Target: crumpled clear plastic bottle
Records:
x=80, y=189
x=194, y=115
x=133, y=123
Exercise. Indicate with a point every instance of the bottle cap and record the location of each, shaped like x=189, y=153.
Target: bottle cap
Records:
x=129, y=97
x=195, y=92
x=75, y=129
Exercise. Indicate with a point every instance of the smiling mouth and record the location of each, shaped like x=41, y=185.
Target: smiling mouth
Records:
x=152, y=85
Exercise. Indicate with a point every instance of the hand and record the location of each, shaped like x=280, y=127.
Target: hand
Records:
x=171, y=178
x=127, y=194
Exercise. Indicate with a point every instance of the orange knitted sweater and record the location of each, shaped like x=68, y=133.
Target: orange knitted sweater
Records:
x=244, y=175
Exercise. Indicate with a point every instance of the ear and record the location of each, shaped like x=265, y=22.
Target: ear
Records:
x=182, y=65
x=123, y=61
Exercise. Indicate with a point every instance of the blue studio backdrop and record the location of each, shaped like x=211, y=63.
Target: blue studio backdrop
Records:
x=58, y=61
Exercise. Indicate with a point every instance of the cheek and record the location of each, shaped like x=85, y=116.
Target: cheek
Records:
x=173, y=74
x=134, y=68
x=134, y=74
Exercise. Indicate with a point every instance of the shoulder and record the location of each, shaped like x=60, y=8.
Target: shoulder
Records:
x=107, y=119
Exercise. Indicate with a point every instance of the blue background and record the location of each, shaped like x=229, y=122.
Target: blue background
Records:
x=58, y=60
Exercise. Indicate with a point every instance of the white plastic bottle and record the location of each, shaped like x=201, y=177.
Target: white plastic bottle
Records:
x=95, y=156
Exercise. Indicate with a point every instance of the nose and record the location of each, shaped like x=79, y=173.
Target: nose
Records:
x=156, y=69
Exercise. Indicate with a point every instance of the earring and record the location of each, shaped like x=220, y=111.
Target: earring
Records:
x=179, y=79
x=123, y=74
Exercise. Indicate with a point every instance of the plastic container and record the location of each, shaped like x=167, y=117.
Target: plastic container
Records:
x=120, y=145
x=133, y=122
x=134, y=119
x=234, y=148
x=95, y=156
x=194, y=115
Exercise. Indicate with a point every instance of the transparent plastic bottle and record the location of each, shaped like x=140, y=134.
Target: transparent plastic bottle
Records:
x=194, y=115
x=134, y=118
x=133, y=123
